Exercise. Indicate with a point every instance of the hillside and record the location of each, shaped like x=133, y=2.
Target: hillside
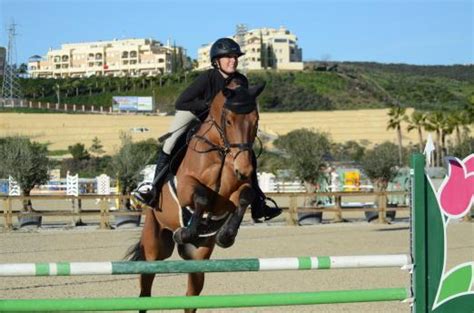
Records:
x=335, y=86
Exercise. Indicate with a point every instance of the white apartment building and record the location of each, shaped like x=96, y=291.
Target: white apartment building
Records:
x=128, y=57
x=280, y=50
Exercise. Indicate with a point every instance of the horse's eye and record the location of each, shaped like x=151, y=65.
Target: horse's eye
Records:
x=228, y=122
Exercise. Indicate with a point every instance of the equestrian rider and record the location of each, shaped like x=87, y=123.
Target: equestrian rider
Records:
x=193, y=104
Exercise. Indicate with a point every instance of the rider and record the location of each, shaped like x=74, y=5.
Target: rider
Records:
x=193, y=104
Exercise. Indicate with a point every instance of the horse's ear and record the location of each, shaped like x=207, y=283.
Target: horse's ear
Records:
x=227, y=92
x=255, y=91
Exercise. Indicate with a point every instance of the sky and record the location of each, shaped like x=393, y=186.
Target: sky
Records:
x=422, y=32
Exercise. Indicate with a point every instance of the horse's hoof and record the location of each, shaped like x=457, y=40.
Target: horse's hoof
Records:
x=225, y=243
x=178, y=236
x=225, y=240
x=183, y=235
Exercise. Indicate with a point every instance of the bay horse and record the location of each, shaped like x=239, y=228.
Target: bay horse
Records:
x=210, y=191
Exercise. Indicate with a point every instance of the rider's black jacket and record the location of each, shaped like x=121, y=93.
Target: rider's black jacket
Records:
x=197, y=97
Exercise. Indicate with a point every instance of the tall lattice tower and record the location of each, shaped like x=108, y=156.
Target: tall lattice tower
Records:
x=240, y=31
x=11, y=90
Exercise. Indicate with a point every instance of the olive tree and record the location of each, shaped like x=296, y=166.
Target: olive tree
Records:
x=381, y=164
x=27, y=162
x=305, y=153
x=130, y=160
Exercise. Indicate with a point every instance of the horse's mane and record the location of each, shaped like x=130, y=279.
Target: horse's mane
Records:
x=234, y=83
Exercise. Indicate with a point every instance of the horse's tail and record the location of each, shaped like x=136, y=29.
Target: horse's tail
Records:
x=135, y=253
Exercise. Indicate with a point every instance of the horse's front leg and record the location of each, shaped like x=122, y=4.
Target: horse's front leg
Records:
x=200, y=201
x=241, y=199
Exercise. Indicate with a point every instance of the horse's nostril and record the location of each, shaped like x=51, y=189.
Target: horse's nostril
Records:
x=239, y=175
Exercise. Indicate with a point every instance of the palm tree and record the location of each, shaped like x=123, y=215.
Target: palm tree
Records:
x=90, y=85
x=102, y=84
x=449, y=124
x=118, y=84
x=459, y=120
x=135, y=81
x=127, y=82
x=435, y=122
x=76, y=84
x=397, y=116
x=417, y=121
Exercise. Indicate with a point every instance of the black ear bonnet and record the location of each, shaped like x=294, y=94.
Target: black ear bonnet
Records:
x=239, y=100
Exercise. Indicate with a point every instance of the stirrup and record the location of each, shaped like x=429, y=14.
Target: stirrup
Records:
x=143, y=188
x=144, y=193
x=270, y=212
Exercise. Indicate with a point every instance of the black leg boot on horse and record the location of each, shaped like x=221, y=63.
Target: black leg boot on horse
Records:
x=226, y=235
x=189, y=234
x=147, y=194
x=259, y=207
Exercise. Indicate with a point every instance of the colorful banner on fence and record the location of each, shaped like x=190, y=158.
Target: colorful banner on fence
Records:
x=132, y=104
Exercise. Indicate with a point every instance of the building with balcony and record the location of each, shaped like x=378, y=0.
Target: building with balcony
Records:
x=265, y=48
x=128, y=57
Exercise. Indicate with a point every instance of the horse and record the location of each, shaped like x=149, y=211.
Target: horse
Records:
x=210, y=191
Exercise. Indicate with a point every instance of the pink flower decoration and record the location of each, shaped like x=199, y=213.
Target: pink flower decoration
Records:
x=457, y=191
x=469, y=163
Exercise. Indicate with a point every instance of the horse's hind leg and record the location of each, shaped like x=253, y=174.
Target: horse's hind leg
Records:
x=156, y=244
x=195, y=280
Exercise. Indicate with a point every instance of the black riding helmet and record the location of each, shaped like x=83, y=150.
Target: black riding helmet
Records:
x=224, y=46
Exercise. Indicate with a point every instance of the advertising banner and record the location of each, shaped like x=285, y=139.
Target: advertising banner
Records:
x=132, y=104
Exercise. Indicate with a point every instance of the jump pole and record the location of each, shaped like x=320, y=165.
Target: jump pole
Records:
x=227, y=301
x=205, y=266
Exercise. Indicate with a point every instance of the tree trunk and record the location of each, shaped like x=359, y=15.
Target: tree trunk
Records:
x=438, y=148
x=379, y=186
x=458, y=136
x=443, y=145
x=420, y=140
x=400, y=147
x=27, y=205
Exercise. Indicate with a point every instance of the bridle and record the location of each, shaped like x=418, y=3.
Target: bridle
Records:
x=224, y=147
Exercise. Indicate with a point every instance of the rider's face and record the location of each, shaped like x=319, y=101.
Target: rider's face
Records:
x=228, y=63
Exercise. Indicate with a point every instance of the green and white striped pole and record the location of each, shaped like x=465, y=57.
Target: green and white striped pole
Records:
x=190, y=266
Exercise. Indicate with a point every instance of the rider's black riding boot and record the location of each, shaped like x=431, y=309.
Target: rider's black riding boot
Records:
x=149, y=196
x=259, y=207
